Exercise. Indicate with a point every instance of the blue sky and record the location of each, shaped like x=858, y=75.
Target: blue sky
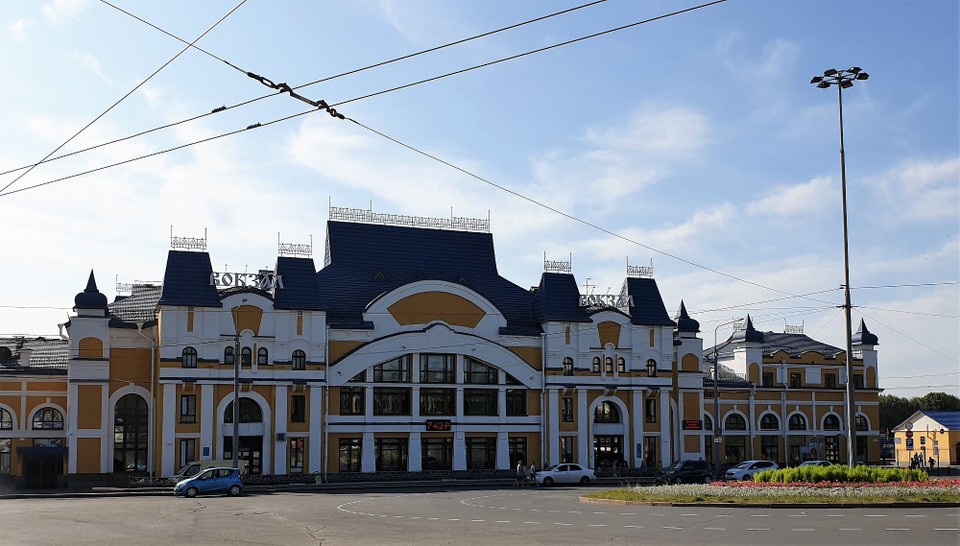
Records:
x=697, y=136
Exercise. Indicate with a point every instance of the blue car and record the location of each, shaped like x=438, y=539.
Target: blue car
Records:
x=210, y=481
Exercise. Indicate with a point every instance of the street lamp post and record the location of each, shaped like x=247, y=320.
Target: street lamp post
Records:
x=236, y=386
x=716, y=398
x=844, y=79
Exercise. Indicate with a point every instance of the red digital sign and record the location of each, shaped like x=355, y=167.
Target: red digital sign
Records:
x=692, y=424
x=439, y=424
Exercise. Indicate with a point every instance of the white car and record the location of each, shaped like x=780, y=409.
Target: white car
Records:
x=565, y=473
x=747, y=469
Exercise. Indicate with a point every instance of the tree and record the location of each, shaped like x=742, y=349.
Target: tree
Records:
x=938, y=401
x=894, y=410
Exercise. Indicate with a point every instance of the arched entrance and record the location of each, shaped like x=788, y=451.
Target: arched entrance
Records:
x=608, y=450
x=130, y=434
x=250, y=434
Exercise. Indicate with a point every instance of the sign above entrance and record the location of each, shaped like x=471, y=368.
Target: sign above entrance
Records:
x=594, y=302
x=265, y=280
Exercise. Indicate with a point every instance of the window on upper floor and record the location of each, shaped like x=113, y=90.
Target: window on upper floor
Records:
x=567, y=366
x=596, y=364
x=606, y=412
x=48, y=419
x=769, y=422
x=767, y=379
x=6, y=420
x=608, y=364
x=858, y=380
x=861, y=423
x=796, y=380
x=621, y=364
x=797, y=422
x=298, y=408
x=650, y=410
x=480, y=402
x=651, y=368
x=831, y=422
x=393, y=371
x=262, y=357
x=566, y=412
x=352, y=401
x=299, y=360
x=478, y=373
x=735, y=421
x=188, y=408
x=516, y=402
x=437, y=368
x=830, y=380
x=228, y=355
x=246, y=356
x=188, y=358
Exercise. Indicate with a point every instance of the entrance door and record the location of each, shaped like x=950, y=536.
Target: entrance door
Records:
x=251, y=451
x=608, y=451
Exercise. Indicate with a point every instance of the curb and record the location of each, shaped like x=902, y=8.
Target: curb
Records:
x=613, y=502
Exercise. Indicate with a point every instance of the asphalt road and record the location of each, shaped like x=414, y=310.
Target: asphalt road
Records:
x=462, y=516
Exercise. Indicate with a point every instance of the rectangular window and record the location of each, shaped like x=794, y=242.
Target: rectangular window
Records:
x=350, y=454
x=391, y=454
x=650, y=410
x=830, y=380
x=516, y=402
x=478, y=373
x=297, y=452
x=568, y=445
x=795, y=380
x=437, y=368
x=767, y=379
x=388, y=401
x=352, y=401
x=479, y=402
x=566, y=412
x=518, y=451
x=769, y=448
x=187, y=451
x=188, y=408
x=438, y=402
x=608, y=364
x=481, y=453
x=621, y=365
x=437, y=453
x=568, y=366
x=393, y=371
x=650, y=451
x=298, y=408
x=858, y=380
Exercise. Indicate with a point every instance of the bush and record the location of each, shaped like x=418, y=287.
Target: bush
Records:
x=841, y=474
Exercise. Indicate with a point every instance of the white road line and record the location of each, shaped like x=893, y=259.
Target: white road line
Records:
x=559, y=523
x=756, y=529
x=599, y=512
x=874, y=515
x=915, y=516
x=532, y=522
x=687, y=515
x=633, y=526
x=597, y=525
x=657, y=514
x=453, y=519
x=897, y=529
x=554, y=511
x=628, y=513
x=797, y=516
x=503, y=521
x=948, y=529
x=836, y=515
x=477, y=520
x=759, y=515
x=805, y=530
x=673, y=528
x=414, y=517
x=398, y=516
x=433, y=519
x=714, y=528
x=575, y=512
x=849, y=529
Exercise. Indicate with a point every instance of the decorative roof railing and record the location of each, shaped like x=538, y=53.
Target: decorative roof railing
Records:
x=367, y=216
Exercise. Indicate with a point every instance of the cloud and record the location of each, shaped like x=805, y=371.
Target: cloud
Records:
x=58, y=10
x=655, y=129
x=18, y=28
x=921, y=191
x=795, y=200
x=91, y=64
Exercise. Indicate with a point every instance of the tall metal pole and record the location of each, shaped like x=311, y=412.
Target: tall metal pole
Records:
x=235, y=449
x=843, y=79
x=716, y=399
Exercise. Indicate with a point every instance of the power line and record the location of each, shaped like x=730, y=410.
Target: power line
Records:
x=907, y=312
x=945, y=283
x=325, y=79
x=910, y=338
x=112, y=106
x=923, y=375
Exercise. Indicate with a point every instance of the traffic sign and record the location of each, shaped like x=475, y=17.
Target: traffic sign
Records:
x=910, y=443
x=909, y=434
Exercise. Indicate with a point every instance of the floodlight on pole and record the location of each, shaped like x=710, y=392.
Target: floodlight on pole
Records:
x=844, y=79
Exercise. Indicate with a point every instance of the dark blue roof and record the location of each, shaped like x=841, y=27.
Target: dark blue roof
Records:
x=366, y=260
x=186, y=280
x=949, y=419
x=648, y=308
x=684, y=322
x=139, y=306
x=300, y=290
x=90, y=298
x=749, y=333
x=558, y=298
x=863, y=336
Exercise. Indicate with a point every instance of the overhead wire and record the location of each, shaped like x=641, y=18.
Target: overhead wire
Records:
x=121, y=99
x=314, y=82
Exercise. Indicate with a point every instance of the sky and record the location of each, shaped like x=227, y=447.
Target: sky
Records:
x=693, y=142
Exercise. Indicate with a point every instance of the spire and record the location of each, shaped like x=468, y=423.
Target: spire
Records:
x=863, y=336
x=748, y=334
x=684, y=322
x=91, y=284
x=90, y=298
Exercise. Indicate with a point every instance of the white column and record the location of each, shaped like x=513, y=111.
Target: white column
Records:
x=106, y=427
x=208, y=422
x=72, y=411
x=636, y=422
x=368, y=458
x=666, y=456
x=503, y=451
x=415, y=461
x=415, y=403
x=168, y=446
x=280, y=426
x=315, y=442
x=553, y=427
x=583, y=436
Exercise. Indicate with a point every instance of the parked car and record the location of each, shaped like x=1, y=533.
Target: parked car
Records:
x=686, y=471
x=565, y=473
x=210, y=481
x=816, y=462
x=748, y=469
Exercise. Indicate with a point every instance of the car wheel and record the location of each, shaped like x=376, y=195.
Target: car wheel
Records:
x=677, y=481
x=191, y=492
x=234, y=490
x=584, y=481
x=746, y=478
x=548, y=481
x=707, y=479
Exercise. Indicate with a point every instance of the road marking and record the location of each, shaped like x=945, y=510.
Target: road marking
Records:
x=687, y=515
x=915, y=516
x=575, y=512
x=756, y=529
x=836, y=515
x=534, y=509
x=759, y=515
x=673, y=528
x=433, y=519
x=948, y=529
x=805, y=530
x=849, y=529
x=559, y=523
x=897, y=529
x=453, y=519
x=398, y=516
x=633, y=526
x=714, y=528
x=797, y=516
x=414, y=517
x=874, y=515
x=599, y=512
x=532, y=522
x=503, y=521
x=628, y=513
x=657, y=514
x=477, y=520
x=554, y=511
x=597, y=525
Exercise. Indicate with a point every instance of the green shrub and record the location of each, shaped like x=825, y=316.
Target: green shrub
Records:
x=842, y=474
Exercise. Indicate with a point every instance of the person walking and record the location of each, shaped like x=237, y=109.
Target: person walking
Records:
x=521, y=474
x=533, y=474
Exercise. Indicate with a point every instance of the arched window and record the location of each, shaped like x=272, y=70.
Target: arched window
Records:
x=596, y=364
x=250, y=411
x=245, y=356
x=831, y=422
x=228, y=355
x=707, y=422
x=606, y=412
x=769, y=421
x=621, y=365
x=651, y=368
x=262, y=356
x=861, y=423
x=299, y=360
x=567, y=366
x=189, y=357
x=797, y=422
x=6, y=420
x=48, y=419
x=735, y=421
x=608, y=364
x=130, y=434
x=478, y=373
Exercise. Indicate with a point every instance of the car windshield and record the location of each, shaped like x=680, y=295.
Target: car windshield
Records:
x=744, y=464
x=551, y=468
x=675, y=466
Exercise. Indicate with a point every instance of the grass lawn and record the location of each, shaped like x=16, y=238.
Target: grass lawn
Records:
x=938, y=491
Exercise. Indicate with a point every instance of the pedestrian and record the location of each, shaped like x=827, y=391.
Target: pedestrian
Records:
x=533, y=473
x=932, y=462
x=521, y=474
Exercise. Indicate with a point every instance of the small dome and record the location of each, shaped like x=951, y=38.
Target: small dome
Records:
x=90, y=298
x=684, y=322
x=863, y=336
x=748, y=334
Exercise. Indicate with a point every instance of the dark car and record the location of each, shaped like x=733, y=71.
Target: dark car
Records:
x=686, y=471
